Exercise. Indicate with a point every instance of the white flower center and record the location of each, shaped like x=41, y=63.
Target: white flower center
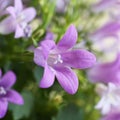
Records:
x=20, y=18
x=58, y=59
x=54, y=59
x=111, y=97
x=2, y=91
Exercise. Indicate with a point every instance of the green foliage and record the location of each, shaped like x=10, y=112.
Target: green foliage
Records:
x=70, y=112
x=24, y=110
x=38, y=73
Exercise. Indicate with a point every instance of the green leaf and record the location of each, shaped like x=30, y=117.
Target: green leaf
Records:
x=24, y=110
x=70, y=112
x=38, y=73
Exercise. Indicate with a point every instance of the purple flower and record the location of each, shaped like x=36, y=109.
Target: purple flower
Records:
x=112, y=7
x=110, y=97
x=6, y=93
x=109, y=29
x=18, y=20
x=59, y=59
x=104, y=4
x=106, y=72
x=61, y=5
x=107, y=39
x=112, y=115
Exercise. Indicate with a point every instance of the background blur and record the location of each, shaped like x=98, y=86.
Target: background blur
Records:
x=53, y=103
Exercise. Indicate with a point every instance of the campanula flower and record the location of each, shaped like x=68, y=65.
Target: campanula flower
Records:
x=6, y=93
x=18, y=20
x=58, y=60
x=110, y=97
x=106, y=72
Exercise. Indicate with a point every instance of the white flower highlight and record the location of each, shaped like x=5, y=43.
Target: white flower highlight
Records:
x=110, y=97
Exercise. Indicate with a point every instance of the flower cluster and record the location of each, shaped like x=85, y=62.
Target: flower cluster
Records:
x=16, y=19
x=107, y=75
x=52, y=57
x=58, y=60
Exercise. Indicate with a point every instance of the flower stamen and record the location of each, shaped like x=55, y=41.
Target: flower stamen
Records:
x=2, y=91
x=59, y=59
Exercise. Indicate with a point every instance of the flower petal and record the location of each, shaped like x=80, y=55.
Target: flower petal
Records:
x=18, y=6
x=101, y=103
x=3, y=107
x=12, y=11
x=48, y=77
x=100, y=89
x=106, y=109
x=29, y=14
x=19, y=32
x=8, y=25
x=78, y=59
x=109, y=29
x=3, y=5
x=103, y=4
x=8, y=79
x=39, y=57
x=69, y=39
x=0, y=73
x=49, y=36
x=107, y=72
x=67, y=79
x=14, y=97
x=112, y=115
x=47, y=45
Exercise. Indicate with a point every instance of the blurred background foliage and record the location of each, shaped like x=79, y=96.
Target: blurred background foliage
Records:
x=53, y=103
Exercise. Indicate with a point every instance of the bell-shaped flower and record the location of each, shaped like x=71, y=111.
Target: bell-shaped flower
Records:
x=6, y=93
x=58, y=60
x=18, y=20
x=110, y=97
x=106, y=72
